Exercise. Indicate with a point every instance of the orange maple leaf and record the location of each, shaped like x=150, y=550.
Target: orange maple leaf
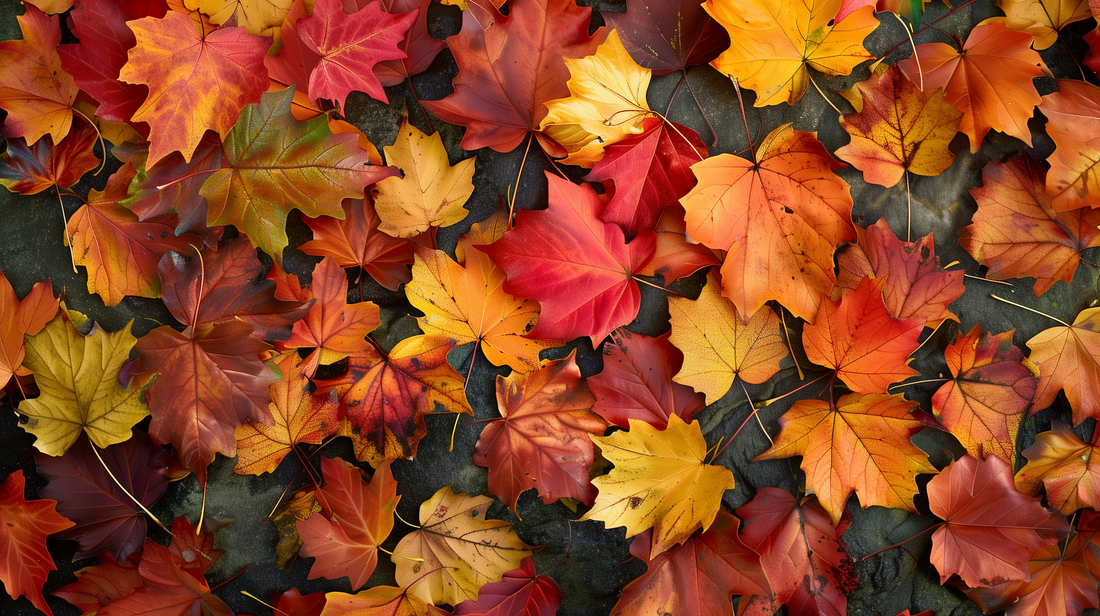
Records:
x=1067, y=466
x=780, y=216
x=35, y=90
x=1068, y=357
x=1073, y=114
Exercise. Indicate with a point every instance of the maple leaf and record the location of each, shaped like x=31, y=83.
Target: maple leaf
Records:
x=261, y=18
x=377, y=600
x=356, y=241
x=348, y=47
x=579, y=269
x=637, y=382
x=221, y=285
x=98, y=585
x=668, y=36
x=688, y=578
x=520, y=593
x=660, y=481
x=914, y=285
x=358, y=517
x=773, y=43
x=333, y=326
x=299, y=418
x=273, y=162
x=32, y=169
x=1017, y=232
x=187, y=67
x=992, y=389
x=751, y=350
x=899, y=130
x=989, y=81
x=78, y=376
x=168, y=590
x=1073, y=115
x=542, y=442
x=172, y=184
x=96, y=60
x=646, y=172
x=861, y=444
x=676, y=255
x=1043, y=19
x=1068, y=358
x=1068, y=467
x=386, y=397
x=990, y=529
x=462, y=551
x=285, y=517
x=216, y=381
x=799, y=211
x=20, y=318
x=420, y=47
x=468, y=303
x=1062, y=582
x=801, y=552
x=105, y=515
x=431, y=193
x=26, y=562
x=607, y=103
x=857, y=337
x=35, y=90
x=119, y=251
x=294, y=602
x=509, y=66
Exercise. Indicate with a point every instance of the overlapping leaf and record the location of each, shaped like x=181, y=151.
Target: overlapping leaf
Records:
x=35, y=90
x=1068, y=358
x=355, y=241
x=19, y=319
x=26, y=561
x=1068, y=467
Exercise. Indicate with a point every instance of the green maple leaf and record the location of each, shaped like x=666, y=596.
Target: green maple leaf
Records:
x=274, y=163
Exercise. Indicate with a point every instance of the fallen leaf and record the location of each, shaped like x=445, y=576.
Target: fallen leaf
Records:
x=349, y=46
x=35, y=90
x=274, y=163
x=1068, y=358
x=33, y=169
x=802, y=553
x=914, y=284
x=358, y=516
x=857, y=337
x=990, y=529
x=79, y=379
x=26, y=561
x=659, y=481
x=1017, y=232
x=256, y=17
x=375, y=601
x=637, y=382
x=780, y=216
x=646, y=172
x=668, y=36
x=420, y=47
x=690, y=578
x=386, y=397
x=1073, y=115
x=299, y=418
x=104, y=514
x=1043, y=19
x=432, y=193
x=520, y=593
x=773, y=43
x=18, y=319
x=578, y=268
x=168, y=590
x=606, y=103
x=676, y=255
x=542, y=439
x=98, y=585
x=187, y=69
x=509, y=67
x=1068, y=467
x=992, y=389
x=714, y=358
x=900, y=130
x=462, y=551
x=860, y=443
x=171, y=185
x=989, y=81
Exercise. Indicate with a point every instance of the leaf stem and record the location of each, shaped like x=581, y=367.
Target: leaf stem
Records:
x=790, y=347
x=744, y=118
x=1030, y=309
x=186, y=177
x=519, y=176
x=254, y=598
x=819, y=91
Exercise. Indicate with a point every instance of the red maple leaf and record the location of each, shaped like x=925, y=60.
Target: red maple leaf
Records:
x=26, y=562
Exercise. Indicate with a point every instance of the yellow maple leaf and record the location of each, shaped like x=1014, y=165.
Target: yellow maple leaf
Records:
x=715, y=356
x=456, y=551
x=1042, y=19
x=262, y=17
x=607, y=103
x=773, y=41
x=467, y=302
x=432, y=193
x=78, y=378
x=660, y=481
